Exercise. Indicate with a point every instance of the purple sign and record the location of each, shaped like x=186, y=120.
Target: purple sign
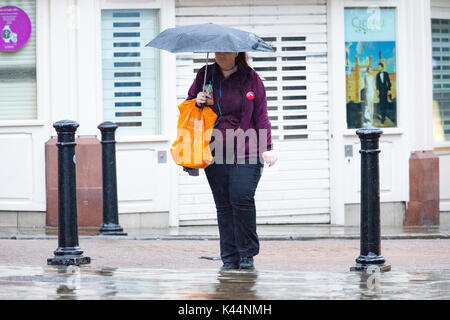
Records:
x=15, y=28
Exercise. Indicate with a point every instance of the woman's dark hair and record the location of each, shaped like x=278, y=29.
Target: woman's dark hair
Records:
x=242, y=60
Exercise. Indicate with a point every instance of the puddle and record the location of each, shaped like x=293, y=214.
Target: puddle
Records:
x=133, y=283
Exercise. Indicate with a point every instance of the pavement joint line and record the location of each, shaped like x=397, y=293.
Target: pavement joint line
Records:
x=215, y=237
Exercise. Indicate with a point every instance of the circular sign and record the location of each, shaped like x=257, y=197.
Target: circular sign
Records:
x=15, y=28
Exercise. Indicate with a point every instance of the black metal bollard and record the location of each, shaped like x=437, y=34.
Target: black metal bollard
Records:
x=370, y=202
x=68, y=251
x=110, y=204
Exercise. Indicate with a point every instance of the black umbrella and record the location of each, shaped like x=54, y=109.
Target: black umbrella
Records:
x=208, y=37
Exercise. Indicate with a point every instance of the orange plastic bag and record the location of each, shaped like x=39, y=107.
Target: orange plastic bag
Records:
x=194, y=131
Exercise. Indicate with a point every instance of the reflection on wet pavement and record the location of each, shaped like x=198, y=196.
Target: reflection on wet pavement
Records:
x=264, y=231
x=131, y=283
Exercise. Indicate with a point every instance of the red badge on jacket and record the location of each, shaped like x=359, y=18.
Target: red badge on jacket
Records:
x=250, y=95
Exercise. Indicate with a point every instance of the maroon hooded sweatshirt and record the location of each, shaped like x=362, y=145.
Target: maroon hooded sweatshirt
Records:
x=243, y=105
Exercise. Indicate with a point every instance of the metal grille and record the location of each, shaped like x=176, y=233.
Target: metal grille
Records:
x=295, y=77
x=289, y=89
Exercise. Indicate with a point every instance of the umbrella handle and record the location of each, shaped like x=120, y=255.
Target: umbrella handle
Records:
x=206, y=70
x=204, y=78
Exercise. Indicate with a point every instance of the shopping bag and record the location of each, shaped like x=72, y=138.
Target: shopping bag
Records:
x=194, y=131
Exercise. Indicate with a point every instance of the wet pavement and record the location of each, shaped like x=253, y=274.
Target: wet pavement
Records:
x=87, y=282
x=150, y=264
x=265, y=232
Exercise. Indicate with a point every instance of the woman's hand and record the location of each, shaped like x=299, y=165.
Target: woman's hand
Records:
x=203, y=98
x=270, y=157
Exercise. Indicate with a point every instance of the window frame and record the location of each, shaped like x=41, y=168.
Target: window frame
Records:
x=439, y=10
x=42, y=71
x=166, y=19
x=142, y=114
x=351, y=4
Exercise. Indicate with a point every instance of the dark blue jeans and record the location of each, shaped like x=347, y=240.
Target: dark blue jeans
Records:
x=233, y=187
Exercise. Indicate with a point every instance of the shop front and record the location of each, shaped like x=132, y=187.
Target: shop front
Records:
x=338, y=65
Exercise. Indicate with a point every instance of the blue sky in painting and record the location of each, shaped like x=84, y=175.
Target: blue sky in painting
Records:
x=364, y=49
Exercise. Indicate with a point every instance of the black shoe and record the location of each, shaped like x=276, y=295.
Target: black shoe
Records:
x=229, y=266
x=246, y=263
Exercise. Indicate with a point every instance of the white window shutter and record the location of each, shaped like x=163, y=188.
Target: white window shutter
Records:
x=131, y=71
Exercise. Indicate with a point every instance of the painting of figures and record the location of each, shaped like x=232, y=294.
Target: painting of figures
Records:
x=370, y=68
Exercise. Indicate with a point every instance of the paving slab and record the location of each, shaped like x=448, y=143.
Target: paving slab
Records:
x=321, y=254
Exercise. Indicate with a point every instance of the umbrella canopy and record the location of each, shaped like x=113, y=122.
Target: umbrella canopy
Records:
x=208, y=37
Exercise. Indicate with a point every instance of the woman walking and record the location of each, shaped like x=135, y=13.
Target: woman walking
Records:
x=238, y=97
